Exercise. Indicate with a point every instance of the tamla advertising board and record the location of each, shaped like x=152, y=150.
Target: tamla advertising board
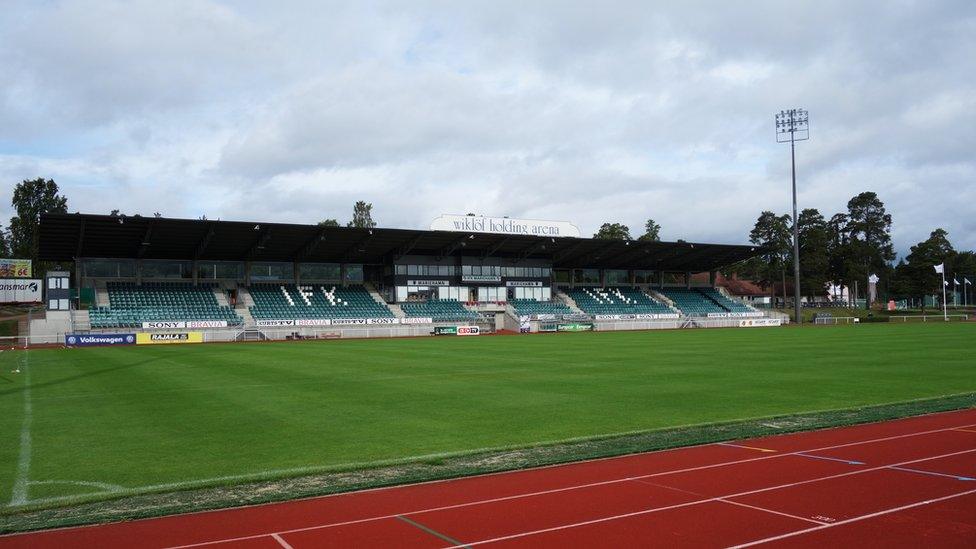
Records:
x=169, y=338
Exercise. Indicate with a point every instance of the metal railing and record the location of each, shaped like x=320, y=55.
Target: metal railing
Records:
x=924, y=318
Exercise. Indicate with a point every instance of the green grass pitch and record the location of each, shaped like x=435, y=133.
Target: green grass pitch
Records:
x=138, y=418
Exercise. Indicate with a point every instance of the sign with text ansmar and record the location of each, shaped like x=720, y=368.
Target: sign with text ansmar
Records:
x=504, y=225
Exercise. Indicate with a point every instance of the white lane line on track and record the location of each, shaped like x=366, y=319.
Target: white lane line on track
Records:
x=281, y=541
x=602, y=483
x=933, y=473
x=19, y=492
x=698, y=502
x=811, y=456
x=758, y=449
x=853, y=519
x=763, y=509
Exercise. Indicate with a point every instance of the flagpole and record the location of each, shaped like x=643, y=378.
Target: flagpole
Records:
x=945, y=312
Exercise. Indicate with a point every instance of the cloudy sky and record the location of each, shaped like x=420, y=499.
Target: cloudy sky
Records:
x=586, y=112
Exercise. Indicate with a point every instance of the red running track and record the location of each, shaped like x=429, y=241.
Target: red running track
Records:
x=904, y=483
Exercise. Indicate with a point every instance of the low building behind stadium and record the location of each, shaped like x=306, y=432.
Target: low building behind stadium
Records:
x=159, y=280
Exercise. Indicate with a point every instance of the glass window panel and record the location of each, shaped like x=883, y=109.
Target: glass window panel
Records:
x=319, y=271
x=109, y=268
x=272, y=271
x=166, y=269
x=354, y=272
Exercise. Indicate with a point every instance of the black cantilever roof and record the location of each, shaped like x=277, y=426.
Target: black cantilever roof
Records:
x=65, y=237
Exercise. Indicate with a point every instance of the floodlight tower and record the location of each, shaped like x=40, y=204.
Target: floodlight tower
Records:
x=791, y=126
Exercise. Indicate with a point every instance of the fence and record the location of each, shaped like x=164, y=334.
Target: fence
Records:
x=837, y=320
x=924, y=318
x=268, y=333
x=685, y=322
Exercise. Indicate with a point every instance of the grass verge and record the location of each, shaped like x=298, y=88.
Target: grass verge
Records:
x=447, y=466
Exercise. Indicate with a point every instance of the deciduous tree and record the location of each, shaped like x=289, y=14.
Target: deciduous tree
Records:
x=613, y=231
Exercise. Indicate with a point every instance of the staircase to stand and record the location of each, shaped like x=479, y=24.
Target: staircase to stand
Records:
x=663, y=299
x=80, y=320
x=376, y=295
x=568, y=301
x=396, y=310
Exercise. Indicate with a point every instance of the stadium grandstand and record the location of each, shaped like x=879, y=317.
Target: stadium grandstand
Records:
x=231, y=278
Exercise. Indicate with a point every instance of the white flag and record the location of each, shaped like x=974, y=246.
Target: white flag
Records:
x=954, y=281
x=940, y=268
x=946, y=282
x=966, y=281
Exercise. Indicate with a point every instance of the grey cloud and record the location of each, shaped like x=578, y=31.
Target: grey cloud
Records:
x=591, y=112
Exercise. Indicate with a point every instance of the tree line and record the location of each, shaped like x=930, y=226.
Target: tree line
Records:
x=842, y=251
x=33, y=197
x=619, y=231
x=847, y=247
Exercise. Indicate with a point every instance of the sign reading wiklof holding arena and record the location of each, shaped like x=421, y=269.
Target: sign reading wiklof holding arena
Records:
x=504, y=225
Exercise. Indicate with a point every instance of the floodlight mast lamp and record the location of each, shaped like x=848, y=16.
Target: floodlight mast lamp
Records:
x=791, y=126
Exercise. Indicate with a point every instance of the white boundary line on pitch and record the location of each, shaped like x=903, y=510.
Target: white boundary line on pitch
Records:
x=600, y=483
x=708, y=500
x=19, y=492
x=264, y=475
x=854, y=519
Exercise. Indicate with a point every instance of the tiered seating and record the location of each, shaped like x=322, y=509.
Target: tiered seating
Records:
x=130, y=305
x=528, y=307
x=288, y=302
x=439, y=310
x=730, y=304
x=694, y=301
x=616, y=301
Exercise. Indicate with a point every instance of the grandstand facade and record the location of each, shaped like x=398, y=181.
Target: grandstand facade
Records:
x=138, y=273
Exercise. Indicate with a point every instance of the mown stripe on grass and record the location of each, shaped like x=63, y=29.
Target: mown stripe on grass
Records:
x=102, y=509
x=19, y=495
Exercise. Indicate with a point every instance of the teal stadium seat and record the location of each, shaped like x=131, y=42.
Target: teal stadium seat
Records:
x=702, y=301
x=132, y=304
x=529, y=307
x=616, y=301
x=440, y=310
x=314, y=301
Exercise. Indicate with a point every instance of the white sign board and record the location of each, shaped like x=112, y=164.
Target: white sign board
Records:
x=20, y=290
x=504, y=225
x=417, y=320
x=735, y=315
x=167, y=325
x=759, y=322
